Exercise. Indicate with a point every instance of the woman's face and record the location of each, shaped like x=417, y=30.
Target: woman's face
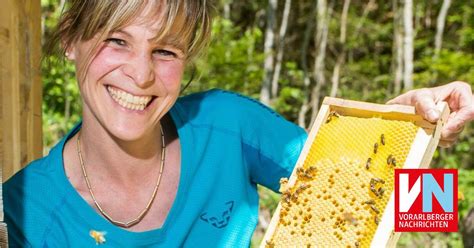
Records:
x=131, y=81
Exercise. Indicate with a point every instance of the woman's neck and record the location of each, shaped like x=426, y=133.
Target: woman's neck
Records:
x=126, y=161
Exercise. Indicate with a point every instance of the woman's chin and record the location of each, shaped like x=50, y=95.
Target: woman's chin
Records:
x=129, y=133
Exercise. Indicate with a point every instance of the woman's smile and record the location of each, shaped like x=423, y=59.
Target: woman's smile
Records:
x=129, y=101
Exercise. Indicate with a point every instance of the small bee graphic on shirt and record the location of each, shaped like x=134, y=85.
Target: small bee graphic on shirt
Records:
x=98, y=236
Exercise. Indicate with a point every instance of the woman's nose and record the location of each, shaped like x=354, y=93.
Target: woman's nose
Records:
x=140, y=68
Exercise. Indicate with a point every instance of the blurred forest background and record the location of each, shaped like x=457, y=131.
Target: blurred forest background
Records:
x=291, y=54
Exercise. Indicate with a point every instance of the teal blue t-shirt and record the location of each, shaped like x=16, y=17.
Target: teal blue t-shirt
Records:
x=230, y=143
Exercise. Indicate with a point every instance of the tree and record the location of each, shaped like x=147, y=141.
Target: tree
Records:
x=321, y=39
x=397, y=49
x=281, y=47
x=265, y=93
x=440, y=22
x=342, y=55
x=408, y=44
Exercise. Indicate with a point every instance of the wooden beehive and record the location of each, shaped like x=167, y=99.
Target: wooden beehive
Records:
x=341, y=192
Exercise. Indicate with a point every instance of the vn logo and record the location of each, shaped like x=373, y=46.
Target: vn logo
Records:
x=426, y=200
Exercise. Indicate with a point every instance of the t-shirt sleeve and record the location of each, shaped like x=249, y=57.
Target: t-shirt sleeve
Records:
x=13, y=193
x=271, y=144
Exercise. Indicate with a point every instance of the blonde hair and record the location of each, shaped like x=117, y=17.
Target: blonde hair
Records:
x=190, y=21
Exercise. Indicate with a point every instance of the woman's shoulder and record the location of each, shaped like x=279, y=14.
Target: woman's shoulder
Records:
x=27, y=175
x=224, y=98
x=35, y=184
x=37, y=171
x=29, y=199
x=218, y=103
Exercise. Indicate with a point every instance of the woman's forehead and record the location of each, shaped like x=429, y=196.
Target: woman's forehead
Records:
x=159, y=23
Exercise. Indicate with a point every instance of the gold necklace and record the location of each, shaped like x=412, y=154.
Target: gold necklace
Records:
x=142, y=214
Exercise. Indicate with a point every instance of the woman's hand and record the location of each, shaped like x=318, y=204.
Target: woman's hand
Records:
x=460, y=100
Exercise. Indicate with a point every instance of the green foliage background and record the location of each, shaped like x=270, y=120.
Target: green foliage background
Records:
x=234, y=62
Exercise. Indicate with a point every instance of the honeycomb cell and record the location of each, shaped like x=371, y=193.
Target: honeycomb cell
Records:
x=345, y=200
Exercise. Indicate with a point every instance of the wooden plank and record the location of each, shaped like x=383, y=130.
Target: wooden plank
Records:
x=31, y=86
x=10, y=120
x=367, y=110
x=3, y=235
x=419, y=156
x=20, y=90
x=320, y=119
x=20, y=104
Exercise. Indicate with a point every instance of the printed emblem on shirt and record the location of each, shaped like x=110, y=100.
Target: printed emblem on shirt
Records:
x=99, y=237
x=220, y=218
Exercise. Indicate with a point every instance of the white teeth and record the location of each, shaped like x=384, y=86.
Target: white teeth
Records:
x=127, y=100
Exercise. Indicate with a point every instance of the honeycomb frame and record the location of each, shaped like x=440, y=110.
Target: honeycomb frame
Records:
x=421, y=149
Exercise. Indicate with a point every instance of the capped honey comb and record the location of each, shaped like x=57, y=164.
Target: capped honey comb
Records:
x=343, y=181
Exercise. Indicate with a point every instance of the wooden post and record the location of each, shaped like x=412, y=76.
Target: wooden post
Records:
x=20, y=89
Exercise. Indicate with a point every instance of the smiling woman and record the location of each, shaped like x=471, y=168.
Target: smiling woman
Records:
x=144, y=168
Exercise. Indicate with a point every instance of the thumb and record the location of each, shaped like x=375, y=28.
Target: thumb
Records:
x=424, y=102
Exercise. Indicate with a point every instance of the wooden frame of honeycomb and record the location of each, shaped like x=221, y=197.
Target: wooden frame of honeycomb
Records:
x=341, y=191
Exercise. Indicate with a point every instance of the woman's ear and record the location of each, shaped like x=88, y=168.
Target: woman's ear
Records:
x=69, y=49
x=70, y=52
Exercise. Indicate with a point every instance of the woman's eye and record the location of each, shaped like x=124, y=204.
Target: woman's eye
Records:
x=116, y=41
x=166, y=53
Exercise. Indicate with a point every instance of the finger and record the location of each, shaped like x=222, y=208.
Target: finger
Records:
x=404, y=99
x=451, y=134
x=445, y=144
x=452, y=138
x=453, y=125
x=457, y=122
x=424, y=101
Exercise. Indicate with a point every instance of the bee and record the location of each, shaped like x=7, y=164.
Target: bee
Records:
x=294, y=197
x=376, y=180
x=389, y=159
x=394, y=162
x=270, y=244
x=367, y=164
x=369, y=202
x=311, y=170
x=379, y=180
x=299, y=171
x=376, y=147
x=372, y=188
x=350, y=218
x=286, y=196
x=376, y=220
x=303, y=174
x=375, y=208
x=303, y=186
x=283, y=184
x=382, y=139
x=381, y=191
x=98, y=236
x=300, y=189
x=331, y=115
x=357, y=244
